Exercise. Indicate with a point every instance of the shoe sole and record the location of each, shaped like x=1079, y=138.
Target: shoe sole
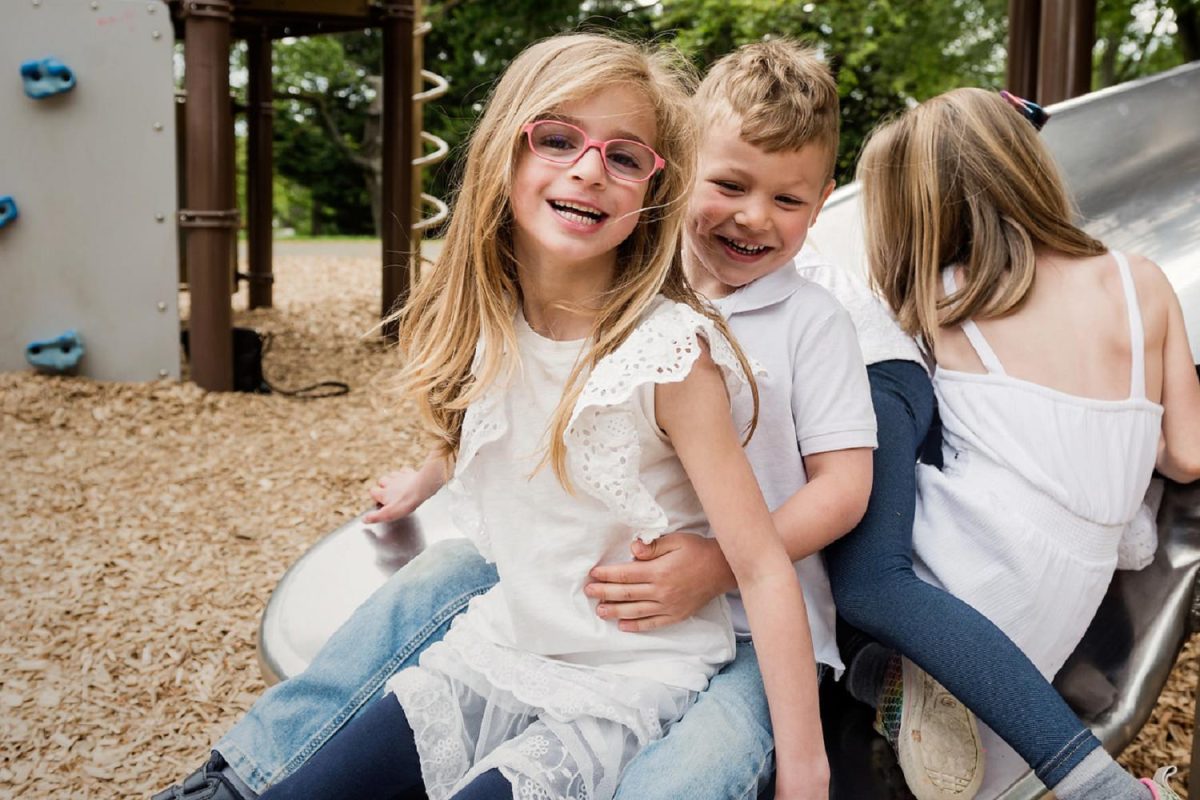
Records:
x=921, y=698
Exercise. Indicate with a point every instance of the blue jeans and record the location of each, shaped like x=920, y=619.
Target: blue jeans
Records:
x=387, y=633
x=295, y=718
x=877, y=592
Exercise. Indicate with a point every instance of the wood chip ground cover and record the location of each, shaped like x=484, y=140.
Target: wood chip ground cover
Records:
x=143, y=526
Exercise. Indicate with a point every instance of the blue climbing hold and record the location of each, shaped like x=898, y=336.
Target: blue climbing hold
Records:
x=8, y=210
x=58, y=355
x=46, y=77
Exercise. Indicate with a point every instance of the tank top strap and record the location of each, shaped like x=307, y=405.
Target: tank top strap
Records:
x=975, y=336
x=1137, y=335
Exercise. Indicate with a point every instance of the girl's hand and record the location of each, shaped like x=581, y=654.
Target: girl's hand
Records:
x=670, y=580
x=398, y=494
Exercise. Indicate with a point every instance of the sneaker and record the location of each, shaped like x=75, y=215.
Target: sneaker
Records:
x=935, y=737
x=1160, y=787
x=206, y=783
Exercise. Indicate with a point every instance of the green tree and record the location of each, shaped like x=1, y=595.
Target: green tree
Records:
x=885, y=54
x=1139, y=38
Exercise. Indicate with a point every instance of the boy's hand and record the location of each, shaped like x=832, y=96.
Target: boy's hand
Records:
x=398, y=495
x=670, y=579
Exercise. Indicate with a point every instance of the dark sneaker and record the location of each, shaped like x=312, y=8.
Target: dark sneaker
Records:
x=206, y=783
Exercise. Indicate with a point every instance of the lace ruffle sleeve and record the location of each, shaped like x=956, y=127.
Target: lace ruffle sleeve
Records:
x=603, y=451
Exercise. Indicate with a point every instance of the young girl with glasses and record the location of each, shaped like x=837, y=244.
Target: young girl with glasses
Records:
x=1063, y=378
x=582, y=394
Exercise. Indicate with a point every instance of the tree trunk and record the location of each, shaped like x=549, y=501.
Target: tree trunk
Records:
x=1187, y=20
x=1108, y=62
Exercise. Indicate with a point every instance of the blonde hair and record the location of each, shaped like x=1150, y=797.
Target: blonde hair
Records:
x=471, y=296
x=780, y=91
x=962, y=179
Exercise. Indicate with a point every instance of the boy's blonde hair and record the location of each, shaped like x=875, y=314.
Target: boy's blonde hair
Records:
x=780, y=91
x=471, y=297
x=962, y=179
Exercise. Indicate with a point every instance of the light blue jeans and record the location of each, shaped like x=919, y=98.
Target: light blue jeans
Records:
x=722, y=748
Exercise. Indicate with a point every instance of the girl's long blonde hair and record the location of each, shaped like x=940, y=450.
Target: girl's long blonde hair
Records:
x=962, y=179
x=472, y=295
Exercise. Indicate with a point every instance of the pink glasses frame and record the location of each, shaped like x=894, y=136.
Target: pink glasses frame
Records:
x=588, y=144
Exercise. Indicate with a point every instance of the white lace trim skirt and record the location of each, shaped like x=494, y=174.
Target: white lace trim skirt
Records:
x=553, y=730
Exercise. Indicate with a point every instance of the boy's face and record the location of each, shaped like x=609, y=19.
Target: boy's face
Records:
x=751, y=210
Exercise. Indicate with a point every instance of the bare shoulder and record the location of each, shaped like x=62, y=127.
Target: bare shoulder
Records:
x=1156, y=296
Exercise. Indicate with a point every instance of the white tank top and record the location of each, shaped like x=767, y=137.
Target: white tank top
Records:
x=1025, y=518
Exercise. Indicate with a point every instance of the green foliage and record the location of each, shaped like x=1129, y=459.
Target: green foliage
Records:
x=887, y=54
x=1140, y=38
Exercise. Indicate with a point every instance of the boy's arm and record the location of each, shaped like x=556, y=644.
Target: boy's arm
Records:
x=830, y=396
x=676, y=575
x=830, y=504
x=695, y=414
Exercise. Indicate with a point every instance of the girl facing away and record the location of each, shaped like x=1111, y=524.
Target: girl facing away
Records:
x=1063, y=379
x=582, y=393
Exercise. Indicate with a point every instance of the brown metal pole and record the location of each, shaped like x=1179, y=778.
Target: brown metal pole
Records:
x=1065, y=54
x=1024, y=22
x=206, y=218
x=418, y=124
x=396, y=217
x=260, y=169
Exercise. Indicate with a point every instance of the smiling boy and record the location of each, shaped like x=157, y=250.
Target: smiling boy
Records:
x=770, y=116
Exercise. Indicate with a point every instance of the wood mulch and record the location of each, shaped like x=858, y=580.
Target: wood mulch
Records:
x=143, y=526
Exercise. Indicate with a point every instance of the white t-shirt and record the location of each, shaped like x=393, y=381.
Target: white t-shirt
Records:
x=815, y=398
x=628, y=482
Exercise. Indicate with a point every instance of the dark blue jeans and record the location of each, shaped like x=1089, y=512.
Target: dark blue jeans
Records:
x=877, y=592
x=374, y=757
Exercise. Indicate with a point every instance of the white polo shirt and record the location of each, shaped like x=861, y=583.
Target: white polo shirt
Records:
x=814, y=399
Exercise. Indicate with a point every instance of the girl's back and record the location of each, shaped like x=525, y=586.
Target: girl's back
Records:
x=1049, y=442
x=1070, y=334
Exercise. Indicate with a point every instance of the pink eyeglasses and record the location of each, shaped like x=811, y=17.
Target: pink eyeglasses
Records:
x=563, y=143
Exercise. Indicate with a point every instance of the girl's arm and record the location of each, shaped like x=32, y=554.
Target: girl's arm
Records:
x=400, y=493
x=695, y=414
x=1179, y=450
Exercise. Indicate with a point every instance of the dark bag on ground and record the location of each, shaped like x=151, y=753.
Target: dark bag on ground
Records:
x=249, y=347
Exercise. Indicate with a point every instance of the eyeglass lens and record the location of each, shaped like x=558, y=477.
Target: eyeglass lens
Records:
x=557, y=141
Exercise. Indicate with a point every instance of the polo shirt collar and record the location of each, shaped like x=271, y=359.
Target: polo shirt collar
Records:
x=766, y=291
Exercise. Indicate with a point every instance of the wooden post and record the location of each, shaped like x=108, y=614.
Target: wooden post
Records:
x=1068, y=33
x=1024, y=23
x=260, y=170
x=207, y=221
x=396, y=216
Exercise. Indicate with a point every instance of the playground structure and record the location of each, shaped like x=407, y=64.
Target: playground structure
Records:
x=1146, y=200
x=113, y=278
x=88, y=196
x=209, y=218
x=90, y=235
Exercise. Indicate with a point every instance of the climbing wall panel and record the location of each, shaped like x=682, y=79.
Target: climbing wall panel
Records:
x=92, y=171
